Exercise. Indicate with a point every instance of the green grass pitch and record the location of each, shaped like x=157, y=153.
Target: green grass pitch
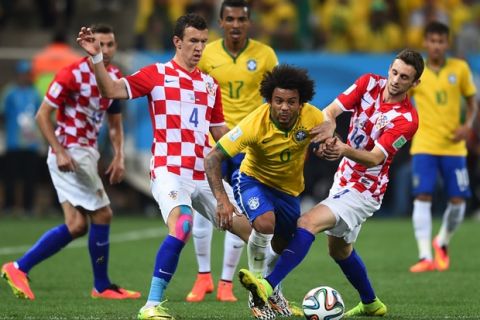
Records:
x=62, y=283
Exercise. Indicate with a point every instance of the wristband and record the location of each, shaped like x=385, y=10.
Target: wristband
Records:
x=97, y=58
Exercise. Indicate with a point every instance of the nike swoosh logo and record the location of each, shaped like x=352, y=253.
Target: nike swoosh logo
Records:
x=164, y=272
x=101, y=244
x=238, y=247
x=258, y=259
x=170, y=81
x=215, y=67
x=267, y=140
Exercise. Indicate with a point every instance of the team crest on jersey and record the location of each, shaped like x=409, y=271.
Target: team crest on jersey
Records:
x=210, y=88
x=381, y=122
x=301, y=134
x=452, y=78
x=173, y=194
x=253, y=203
x=251, y=65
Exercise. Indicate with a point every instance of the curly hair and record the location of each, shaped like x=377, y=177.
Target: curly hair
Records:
x=287, y=77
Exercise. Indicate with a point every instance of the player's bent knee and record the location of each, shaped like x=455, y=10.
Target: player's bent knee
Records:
x=184, y=223
x=77, y=230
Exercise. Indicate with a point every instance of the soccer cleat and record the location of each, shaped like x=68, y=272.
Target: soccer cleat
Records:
x=423, y=265
x=116, y=293
x=225, y=291
x=18, y=281
x=157, y=312
x=259, y=287
x=375, y=309
x=261, y=312
x=203, y=285
x=281, y=306
x=441, y=261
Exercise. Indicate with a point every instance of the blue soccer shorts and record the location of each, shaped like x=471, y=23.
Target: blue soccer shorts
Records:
x=452, y=169
x=255, y=199
x=230, y=165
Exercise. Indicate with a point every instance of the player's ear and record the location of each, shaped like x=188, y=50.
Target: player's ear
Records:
x=416, y=83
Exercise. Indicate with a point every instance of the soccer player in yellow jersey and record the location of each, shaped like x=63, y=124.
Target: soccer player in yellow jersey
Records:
x=439, y=146
x=275, y=138
x=238, y=63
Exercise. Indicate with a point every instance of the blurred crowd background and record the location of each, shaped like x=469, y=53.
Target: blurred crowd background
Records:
x=336, y=40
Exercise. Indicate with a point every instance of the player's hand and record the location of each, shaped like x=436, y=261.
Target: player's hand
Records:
x=461, y=133
x=116, y=170
x=87, y=41
x=333, y=149
x=323, y=131
x=225, y=212
x=65, y=162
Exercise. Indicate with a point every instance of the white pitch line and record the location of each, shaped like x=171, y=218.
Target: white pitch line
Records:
x=114, y=238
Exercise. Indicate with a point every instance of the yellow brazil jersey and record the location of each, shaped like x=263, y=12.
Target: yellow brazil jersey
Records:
x=438, y=99
x=273, y=156
x=239, y=77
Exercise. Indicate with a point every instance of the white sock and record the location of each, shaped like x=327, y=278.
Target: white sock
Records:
x=256, y=251
x=422, y=225
x=233, y=248
x=452, y=218
x=271, y=260
x=202, y=232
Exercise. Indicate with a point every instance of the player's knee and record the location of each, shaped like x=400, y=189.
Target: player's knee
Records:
x=102, y=216
x=263, y=225
x=424, y=197
x=77, y=229
x=183, y=225
x=306, y=222
x=339, y=252
x=457, y=200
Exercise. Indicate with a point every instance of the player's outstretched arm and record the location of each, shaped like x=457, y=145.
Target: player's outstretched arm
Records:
x=326, y=129
x=109, y=88
x=225, y=209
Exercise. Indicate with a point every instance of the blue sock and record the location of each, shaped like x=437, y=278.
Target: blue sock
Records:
x=50, y=243
x=356, y=273
x=165, y=266
x=295, y=252
x=98, y=246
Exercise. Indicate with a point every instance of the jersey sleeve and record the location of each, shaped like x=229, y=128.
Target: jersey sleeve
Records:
x=60, y=88
x=217, y=118
x=272, y=59
x=141, y=82
x=467, y=85
x=349, y=99
x=392, y=139
x=237, y=139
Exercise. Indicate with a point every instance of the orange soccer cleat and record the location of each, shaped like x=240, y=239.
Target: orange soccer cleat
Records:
x=441, y=261
x=116, y=293
x=18, y=281
x=225, y=291
x=424, y=265
x=203, y=285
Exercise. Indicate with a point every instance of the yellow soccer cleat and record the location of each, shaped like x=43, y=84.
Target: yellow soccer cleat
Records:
x=158, y=312
x=375, y=309
x=259, y=287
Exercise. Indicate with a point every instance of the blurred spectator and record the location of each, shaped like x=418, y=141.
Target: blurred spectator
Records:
x=55, y=56
x=468, y=39
x=154, y=23
x=55, y=14
x=337, y=20
x=207, y=9
x=430, y=10
x=23, y=141
x=382, y=33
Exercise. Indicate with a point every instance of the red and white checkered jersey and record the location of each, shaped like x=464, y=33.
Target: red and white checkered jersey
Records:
x=183, y=106
x=373, y=123
x=80, y=108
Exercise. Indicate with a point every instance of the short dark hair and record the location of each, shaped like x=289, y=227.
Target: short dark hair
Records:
x=287, y=77
x=235, y=4
x=102, y=28
x=189, y=20
x=436, y=28
x=414, y=59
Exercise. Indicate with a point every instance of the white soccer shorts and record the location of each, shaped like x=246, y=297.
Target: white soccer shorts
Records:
x=351, y=209
x=84, y=187
x=171, y=190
